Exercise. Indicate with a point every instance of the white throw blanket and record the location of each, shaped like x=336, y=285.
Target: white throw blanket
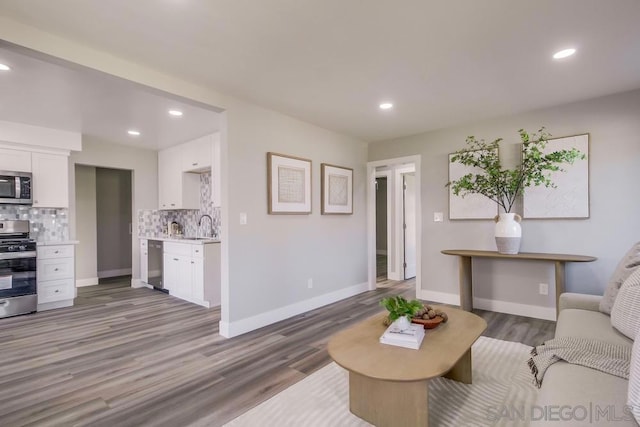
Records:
x=603, y=356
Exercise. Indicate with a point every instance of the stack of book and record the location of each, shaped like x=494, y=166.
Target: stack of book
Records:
x=409, y=338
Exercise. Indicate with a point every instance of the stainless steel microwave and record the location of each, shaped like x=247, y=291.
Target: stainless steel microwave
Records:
x=15, y=188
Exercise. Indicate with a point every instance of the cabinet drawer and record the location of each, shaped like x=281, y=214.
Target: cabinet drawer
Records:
x=51, y=269
x=58, y=251
x=55, y=290
x=197, y=251
x=177, y=248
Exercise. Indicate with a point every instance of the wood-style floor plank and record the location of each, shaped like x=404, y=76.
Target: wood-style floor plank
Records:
x=137, y=357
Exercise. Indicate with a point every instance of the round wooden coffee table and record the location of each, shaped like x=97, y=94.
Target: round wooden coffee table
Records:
x=388, y=384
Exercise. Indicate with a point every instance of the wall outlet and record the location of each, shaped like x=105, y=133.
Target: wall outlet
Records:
x=544, y=288
x=438, y=217
x=243, y=218
x=309, y=283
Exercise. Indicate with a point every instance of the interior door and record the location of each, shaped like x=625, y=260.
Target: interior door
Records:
x=409, y=213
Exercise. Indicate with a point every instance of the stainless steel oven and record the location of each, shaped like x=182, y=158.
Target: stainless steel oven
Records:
x=15, y=188
x=18, y=288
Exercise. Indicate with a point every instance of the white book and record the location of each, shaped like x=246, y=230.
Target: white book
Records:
x=411, y=338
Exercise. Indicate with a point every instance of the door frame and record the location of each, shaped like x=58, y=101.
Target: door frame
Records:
x=371, y=215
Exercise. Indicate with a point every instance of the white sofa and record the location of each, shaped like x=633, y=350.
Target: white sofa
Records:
x=573, y=395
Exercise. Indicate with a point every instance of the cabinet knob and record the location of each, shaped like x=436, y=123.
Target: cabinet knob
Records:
x=192, y=262
x=55, y=252
x=55, y=269
x=173, y=204
x=57, y=290
x=175, y=259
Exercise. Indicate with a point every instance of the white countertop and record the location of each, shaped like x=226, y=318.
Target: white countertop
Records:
x=201, y=241
x=57, y=242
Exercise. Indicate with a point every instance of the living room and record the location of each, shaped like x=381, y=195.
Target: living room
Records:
x=267, y=262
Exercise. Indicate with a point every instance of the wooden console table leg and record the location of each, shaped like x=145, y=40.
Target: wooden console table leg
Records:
x=559, y=284
x=461, y=371
x=466, y=279
x=389, y=403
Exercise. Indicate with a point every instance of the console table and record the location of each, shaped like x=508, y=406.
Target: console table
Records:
x=466, y=278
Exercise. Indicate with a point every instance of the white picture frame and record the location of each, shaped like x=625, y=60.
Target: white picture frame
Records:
x=336, y=190
x=471, y=206
x=570, y=198
x=288, y=184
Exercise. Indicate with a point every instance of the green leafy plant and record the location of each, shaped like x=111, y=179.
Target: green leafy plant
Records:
x=502, y=185
x=399, y=306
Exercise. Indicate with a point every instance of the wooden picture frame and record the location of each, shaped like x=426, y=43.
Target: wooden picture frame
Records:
x=336, y=190
x=570, y=198
x=288, y=184
x=471, y=206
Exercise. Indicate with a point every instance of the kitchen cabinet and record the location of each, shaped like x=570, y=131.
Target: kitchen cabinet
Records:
x=196, y=154
x=50, y=180
x=192, y=272
x=144, y=261
x=55, y=276
x=15, y=160
x=176, y=189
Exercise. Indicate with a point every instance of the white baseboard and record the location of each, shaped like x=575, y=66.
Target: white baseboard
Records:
x=137, y=283
x=535, y=311
x=441, y=297
x=381, y=251
x=239, y=327
x=86, y=282
x=114, y=273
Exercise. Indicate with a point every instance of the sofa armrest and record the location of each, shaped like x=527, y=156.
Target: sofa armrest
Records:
x=579, y=301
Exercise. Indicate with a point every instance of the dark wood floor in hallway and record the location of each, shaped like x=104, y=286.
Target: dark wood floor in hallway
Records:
x=137, y=357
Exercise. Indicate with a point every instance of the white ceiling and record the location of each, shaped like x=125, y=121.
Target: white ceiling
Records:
x=331, y=62
x=57, y=96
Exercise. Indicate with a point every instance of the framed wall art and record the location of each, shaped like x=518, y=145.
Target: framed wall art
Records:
x=570, y=197
x=288, y=184
x=471, y=206
x=336, y=190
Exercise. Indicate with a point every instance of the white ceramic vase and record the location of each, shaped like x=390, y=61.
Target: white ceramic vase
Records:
x=508, y=233
x=402, y=323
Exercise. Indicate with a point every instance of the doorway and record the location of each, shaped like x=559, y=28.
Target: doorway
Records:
x=104, y=225
x=400, y=180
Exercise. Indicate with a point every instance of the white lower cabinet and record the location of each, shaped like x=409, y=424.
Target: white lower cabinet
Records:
x=55, y=276
x=192, y=272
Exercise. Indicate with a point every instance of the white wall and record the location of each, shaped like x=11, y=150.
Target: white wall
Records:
x=614, y=127
x=85, y=226
x=143, y=163
x=266, y=263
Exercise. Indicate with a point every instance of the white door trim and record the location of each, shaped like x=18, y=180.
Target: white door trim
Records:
x=371, y=216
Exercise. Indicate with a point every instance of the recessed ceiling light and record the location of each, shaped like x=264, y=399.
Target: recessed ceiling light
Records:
x=564, y=53
x=4, y=67
x=175, y=113
x=133, y=132
x=386, y=105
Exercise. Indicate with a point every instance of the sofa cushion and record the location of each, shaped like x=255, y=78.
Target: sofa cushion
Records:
x=589, y=324
x=625, y=267
x=634, y=381
x=625, y=315
x=573, y=395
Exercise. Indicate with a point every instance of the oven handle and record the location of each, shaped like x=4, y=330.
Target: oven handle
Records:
x=17, y=255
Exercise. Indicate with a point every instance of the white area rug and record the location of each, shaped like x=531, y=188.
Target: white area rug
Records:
x=502, y=386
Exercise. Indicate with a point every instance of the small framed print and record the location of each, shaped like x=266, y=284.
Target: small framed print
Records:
x=336, y=189
x=288, y=184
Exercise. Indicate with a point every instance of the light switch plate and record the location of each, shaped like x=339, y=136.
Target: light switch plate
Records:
x=438, y=217
x=243, y=218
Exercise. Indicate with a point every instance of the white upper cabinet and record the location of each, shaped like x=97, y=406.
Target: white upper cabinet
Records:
x=176, y=189
x=50, y=180
x=196, y=154
x=15, y=160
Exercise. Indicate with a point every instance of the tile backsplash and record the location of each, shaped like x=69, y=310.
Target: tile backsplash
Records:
x=153, y=222
x=46, y=224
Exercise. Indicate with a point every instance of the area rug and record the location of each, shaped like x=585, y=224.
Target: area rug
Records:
x=502, y=394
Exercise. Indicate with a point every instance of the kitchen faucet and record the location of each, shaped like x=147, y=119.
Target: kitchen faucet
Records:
x=210, y=222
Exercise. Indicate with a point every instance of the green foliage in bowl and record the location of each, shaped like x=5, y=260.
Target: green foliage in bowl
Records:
x=399, y=306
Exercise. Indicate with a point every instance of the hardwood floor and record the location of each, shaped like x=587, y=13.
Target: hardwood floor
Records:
x=137, y=357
